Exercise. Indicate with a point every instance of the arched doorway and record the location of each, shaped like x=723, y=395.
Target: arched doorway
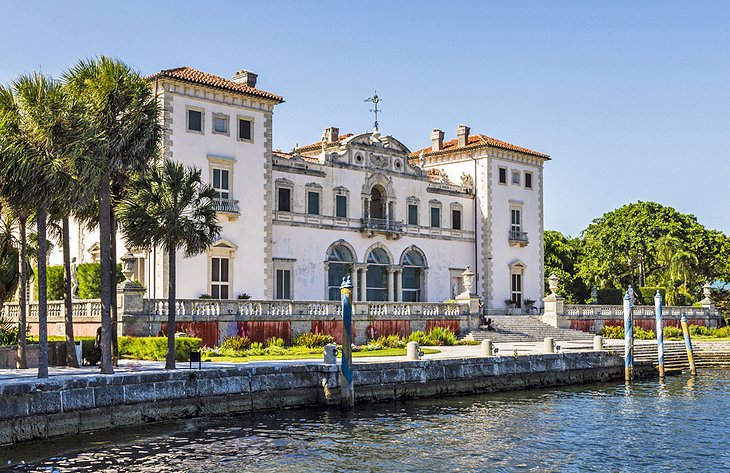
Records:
x=377, y=202
x=339, y=265
x=413, y=279
x=377, y=275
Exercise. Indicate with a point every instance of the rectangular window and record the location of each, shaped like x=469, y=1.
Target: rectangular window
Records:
x=284, y=199
x=244, y=129
x=435, y=217
x=516, y=223
x=516, y=177
x=220, y=184
x=503, y=175
x=528, y=180
x=516, y=294
x=195, y=120
x=283, y=284
x=412, y=214
x=456, y=219
x=219, y=278
x=313, y=203
x=220, y=124
x=341, y=206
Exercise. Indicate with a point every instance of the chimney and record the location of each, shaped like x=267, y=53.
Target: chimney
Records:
x=437, y=140
x=245, y=77
x=462, y=135
x=331, y=134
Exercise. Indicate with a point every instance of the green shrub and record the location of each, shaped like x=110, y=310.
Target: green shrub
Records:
x=8, y=331
x=612, y=331
x=236, y=343
x=54, y=278
x=313, y=340
x=442, y=335
x=155, y=348
x=616, y=332
x=722, y=332
x=467, y=342
x=673, y=332
x=275, y=350
x=421, y=338
x=701, y=330
x=390, y=341
x=275, y=342
x=610, y=296
x=89, y=276
x=641, y=334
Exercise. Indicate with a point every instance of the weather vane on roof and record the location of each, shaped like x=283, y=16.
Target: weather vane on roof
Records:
x=375, y=100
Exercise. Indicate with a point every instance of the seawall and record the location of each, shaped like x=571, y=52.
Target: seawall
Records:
x=31, y=409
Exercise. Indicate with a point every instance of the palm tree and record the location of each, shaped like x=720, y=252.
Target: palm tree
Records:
x=38, y=145
x=124, y=136
x=171, y=207
x=9, y=258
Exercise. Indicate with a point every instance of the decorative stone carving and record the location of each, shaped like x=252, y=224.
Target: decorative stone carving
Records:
x=379, y=161
x=467, y=180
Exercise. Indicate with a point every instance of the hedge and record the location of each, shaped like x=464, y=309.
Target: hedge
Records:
x=646, y=294
x=155, y=348
x=89, y=276
x=54, y=278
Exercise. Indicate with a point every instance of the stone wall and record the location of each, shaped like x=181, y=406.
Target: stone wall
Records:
x=31, y=409
x=56, y=355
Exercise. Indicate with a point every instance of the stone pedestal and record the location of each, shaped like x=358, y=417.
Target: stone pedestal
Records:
x=412, y=351
x=487, y=348
x=554, y=311
x=549, y=346
x=130, y=305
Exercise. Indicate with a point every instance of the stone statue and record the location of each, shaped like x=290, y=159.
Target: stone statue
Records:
x=74, y=278
x=467, y=181
x=421, y=160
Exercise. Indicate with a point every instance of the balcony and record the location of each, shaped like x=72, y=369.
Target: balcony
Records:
x=227, y=206
x=391, y=228
x=517, y=238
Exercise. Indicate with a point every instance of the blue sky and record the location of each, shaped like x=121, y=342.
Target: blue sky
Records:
x=631, y=99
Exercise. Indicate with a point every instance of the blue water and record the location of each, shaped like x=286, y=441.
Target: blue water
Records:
x=678, y=426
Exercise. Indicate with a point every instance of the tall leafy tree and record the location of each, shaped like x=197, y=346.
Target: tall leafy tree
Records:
x=124, y=135
x=562, y=254
x=172, y=208
x=38, y=145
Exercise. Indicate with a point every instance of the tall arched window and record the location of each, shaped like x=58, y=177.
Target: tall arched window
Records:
x=339, y=264
x=377, y=275
x=413, y=272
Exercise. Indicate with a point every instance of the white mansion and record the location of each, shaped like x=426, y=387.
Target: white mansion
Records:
x=404, y=225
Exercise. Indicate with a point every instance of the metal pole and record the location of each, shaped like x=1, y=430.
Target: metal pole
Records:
x=628, y=338
x=659, y=332
x=347, y=391
x=688, y=344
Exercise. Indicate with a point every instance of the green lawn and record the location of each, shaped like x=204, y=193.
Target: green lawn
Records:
x=312, y=356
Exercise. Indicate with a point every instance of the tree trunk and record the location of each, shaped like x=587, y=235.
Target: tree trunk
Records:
x=113, y=282
x=105, y=263
x=71, y=359
x=22, y=362
x=170, y=361
x=42, y=295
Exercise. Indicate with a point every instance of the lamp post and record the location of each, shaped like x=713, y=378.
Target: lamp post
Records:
x=347, y=391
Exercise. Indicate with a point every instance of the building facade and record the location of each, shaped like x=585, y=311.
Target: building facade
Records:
x=403, y=225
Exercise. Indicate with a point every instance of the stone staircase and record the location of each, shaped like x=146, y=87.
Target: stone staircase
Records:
x=706, y=354
x=523, y=328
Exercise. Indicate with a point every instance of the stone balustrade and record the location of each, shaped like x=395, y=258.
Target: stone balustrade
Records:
x=84, y=310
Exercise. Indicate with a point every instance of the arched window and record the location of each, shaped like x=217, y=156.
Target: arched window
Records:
x=413, y=274
x=377, y=275
x=339, y=263
x=377, y=202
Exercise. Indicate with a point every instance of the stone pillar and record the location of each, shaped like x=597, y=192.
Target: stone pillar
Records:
x=355, y=287
x=398, y=279
x=598, y=343
x=554, y=306
x=132, y=319
x=471, y=300
x=412, y=351
x=487, y=348
x=363, y=282
x=391, y=283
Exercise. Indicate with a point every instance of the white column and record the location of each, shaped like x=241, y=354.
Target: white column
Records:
x=391, y=283
x=364, y=285
x=355, y=287
x=398, y=284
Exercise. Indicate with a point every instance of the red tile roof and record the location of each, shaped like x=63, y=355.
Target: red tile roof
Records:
x=476, y=141
x=318, y=145
x=188, y=74
x=285, y=155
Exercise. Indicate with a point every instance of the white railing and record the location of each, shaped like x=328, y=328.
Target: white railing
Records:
x=89, y=309
x=647, y=311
